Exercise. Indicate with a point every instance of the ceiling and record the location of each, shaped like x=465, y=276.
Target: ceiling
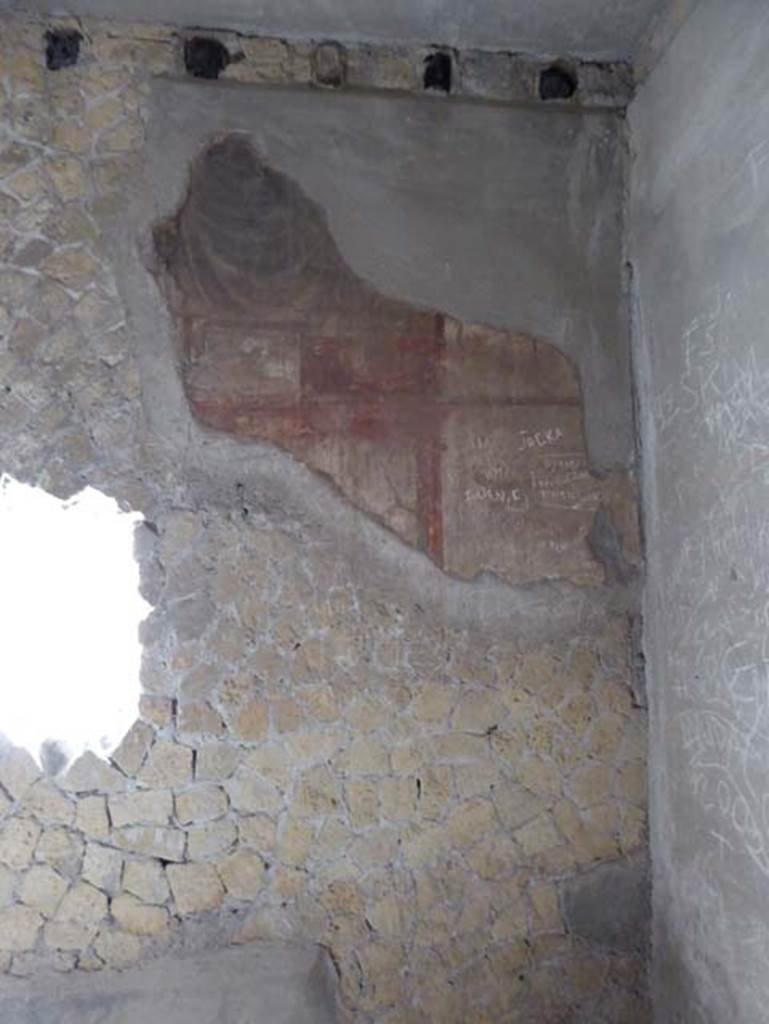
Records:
x=598, y=29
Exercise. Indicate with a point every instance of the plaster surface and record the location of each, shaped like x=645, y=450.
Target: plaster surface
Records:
x=609, y=905
x=261, y=983
x=466, y=442
x=536, y=251
x=609, y=29
x=660, y=32
x=700, y=216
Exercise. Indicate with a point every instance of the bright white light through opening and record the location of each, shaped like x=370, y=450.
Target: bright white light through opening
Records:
x=70, y=610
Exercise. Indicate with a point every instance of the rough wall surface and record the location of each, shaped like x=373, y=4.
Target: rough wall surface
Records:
x=466, y=442
x=604, y=29
x=699, y=221
x=262, y=983
x=528, y=243
x=339, y=743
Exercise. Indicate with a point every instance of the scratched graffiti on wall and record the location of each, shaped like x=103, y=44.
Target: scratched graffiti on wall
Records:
x=465, y=441
x=713, y=417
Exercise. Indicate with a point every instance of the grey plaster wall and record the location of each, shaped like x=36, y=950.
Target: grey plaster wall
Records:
x=537, y=248
x=658, y=35
x=700, y=224
x=607, y=29
x=257, y=984
x=609, y=905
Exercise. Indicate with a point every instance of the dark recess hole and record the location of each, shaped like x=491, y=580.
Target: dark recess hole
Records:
x=557, y=83
x=329, y=63
x=205, y=58
x=438, y=72
x=62, y=48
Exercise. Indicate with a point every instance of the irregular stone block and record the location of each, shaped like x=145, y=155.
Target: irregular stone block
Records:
x=210, y=839
x=48, y=804
x=83, y=904
x=69, y=935
x=62, y=849
x=250, y=723
x=133, y=748
x=197, y=718
x=18, y=770
x=137, y=918
x=252, y=795
x=91, y=817
x=168, y=764
x=216, y=761
x=150, y=841
x=42, y=888
x=19, y=927
x=144, y=807
x=102, y=867
x=158, y=711
x=202, y=803
x=18, y=838
x=243, y=874
x=536, y=837
x=195, y=887
x=117, y=949
x=146, y=880
x=90, y=774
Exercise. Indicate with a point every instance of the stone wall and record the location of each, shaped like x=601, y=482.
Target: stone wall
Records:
x=338, y=742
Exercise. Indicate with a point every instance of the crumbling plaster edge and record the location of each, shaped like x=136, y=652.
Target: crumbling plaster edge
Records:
x=216, y=471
